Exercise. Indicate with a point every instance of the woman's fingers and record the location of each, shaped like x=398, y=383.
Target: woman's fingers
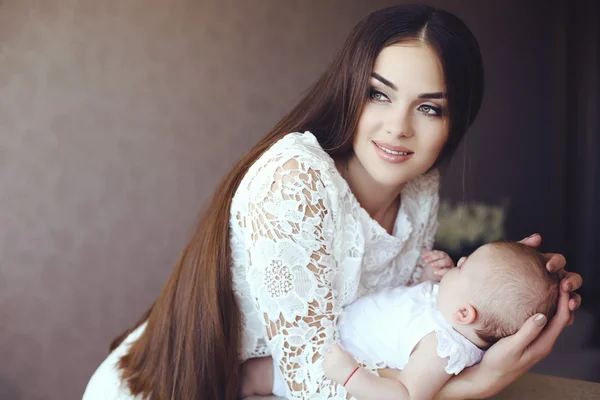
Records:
x=541, y=347
x=570, y=281
x=556, y=262
x=520, y=341
x=441, y=272
x=534, y=241
x=574, y=302
x=445, y=263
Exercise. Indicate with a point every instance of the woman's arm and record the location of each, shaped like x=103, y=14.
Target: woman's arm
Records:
x=291, y=270
x=512, y=356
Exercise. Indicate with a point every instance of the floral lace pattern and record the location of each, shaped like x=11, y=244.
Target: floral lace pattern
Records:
x=303, y=248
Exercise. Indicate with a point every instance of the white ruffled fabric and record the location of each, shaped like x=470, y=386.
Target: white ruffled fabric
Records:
x=302, y=248
x=402, y=317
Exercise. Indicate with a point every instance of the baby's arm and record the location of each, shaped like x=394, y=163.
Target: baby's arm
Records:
x=422, y=377
x=425, y=373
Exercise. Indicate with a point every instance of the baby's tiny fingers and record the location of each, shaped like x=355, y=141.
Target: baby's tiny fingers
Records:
x=432, y=258
x=435, y=255
x=444, y=263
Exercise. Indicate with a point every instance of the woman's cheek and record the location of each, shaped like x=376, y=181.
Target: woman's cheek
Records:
x=439, y=137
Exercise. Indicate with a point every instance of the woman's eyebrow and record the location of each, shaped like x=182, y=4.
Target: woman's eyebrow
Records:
x=384, y=81
x=436, y=95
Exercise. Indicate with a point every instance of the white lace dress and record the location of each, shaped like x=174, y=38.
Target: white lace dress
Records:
x=303, y=248
x=385, y=327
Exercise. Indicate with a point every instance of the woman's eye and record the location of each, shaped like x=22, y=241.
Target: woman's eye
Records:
x=378, y=96
x=430, y=110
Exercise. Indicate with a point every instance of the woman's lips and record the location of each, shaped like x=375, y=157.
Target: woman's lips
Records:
x=392, y=154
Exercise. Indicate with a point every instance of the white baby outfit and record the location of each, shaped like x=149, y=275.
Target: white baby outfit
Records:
x=385, y=327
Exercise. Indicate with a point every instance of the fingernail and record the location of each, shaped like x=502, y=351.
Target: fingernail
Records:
x=535, y=234
x=574, y=303
x=569, y=286
x=540, y=320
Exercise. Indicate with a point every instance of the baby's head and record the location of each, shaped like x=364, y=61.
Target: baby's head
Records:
x=496, y=289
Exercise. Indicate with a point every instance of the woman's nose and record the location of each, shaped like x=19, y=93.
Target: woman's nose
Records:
x=400, y=124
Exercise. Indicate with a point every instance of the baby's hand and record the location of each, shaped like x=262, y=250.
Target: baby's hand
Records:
x=338, y=365
x=438, y=263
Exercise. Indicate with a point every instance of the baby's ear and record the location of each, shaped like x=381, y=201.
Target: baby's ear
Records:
x=465, y=314
x=461, y=261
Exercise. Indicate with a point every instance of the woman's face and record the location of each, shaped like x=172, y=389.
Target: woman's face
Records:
x=403, y=125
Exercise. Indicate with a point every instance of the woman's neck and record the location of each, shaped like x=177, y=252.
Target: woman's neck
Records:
x=380, y=201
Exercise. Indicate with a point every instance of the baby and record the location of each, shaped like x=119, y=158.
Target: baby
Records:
x=432, y=331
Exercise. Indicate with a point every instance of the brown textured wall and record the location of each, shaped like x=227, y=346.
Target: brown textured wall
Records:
x=117, y=118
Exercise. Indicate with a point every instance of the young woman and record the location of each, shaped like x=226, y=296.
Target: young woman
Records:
x=306, y=223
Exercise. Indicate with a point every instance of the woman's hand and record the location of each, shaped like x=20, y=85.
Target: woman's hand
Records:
x=512, y=356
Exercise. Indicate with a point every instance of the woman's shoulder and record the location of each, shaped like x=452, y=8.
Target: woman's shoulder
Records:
x=296, y=155
x=300, y=146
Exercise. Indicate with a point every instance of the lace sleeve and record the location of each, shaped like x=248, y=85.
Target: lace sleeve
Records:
x=291, y=232
x=431, y=226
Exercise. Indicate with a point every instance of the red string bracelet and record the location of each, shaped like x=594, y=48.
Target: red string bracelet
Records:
x=353, y=372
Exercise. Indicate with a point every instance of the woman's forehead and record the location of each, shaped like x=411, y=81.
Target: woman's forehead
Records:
x=411, y=66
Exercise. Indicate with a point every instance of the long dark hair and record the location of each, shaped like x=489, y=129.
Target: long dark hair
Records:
x=190, y=346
